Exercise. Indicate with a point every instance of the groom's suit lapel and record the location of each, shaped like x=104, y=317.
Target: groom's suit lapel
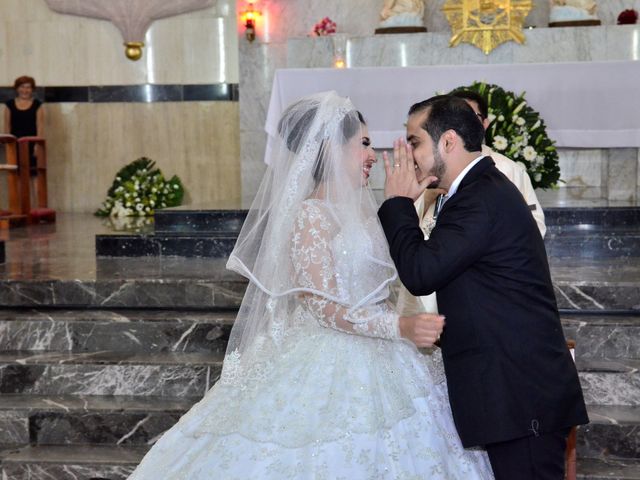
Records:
x=471, y=176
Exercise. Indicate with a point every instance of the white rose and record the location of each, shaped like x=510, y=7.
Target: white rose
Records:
x=500, y=143
x=139, y=207
x=529, y=153
x=501, y=118
x=520, y=121
x=537, y=177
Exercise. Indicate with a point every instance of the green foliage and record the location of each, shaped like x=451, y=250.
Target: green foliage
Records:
x=139, y=189
x=518, y=132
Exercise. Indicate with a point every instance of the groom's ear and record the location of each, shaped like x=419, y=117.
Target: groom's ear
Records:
x=449, y=140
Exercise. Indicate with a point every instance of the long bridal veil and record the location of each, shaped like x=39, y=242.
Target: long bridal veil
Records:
x=316, y=149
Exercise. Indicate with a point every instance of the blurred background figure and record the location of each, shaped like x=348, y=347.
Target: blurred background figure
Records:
x=24, y=117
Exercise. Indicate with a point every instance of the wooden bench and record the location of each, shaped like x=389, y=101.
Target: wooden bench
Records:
x=16, y=213
x=42, y=213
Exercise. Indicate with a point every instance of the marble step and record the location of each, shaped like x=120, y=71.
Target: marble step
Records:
x=88, y=419
x=109, y=373
x=614, y=431
x=216, y=244
x=582, y=232
x=583, y=241
x=603, y=217
x=74, y=462
x=602, y=294
x=117, y=420
x=115, y=330
x=608, y=469
x=187, y=219
x=564, y=243
x=598, y=286
x=610, y=381
x=597, y=336
x=604, y=337
x=116, y=463
x=190, y=220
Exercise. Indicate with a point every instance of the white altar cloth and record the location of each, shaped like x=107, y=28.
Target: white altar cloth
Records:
x=584, y=104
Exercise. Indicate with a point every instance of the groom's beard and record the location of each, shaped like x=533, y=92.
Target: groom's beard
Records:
x=438, y=170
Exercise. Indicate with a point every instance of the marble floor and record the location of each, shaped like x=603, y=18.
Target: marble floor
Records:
x=66, y=250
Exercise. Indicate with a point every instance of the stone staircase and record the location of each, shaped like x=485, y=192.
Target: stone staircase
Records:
x=85, y=391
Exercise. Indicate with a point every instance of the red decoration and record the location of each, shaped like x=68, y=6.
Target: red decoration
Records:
x=628, y=17
x=326, y=26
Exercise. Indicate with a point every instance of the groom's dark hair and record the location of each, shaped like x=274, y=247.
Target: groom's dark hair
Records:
x=446, y=112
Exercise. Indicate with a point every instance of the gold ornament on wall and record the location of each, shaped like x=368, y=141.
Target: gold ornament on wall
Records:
x=486, y=23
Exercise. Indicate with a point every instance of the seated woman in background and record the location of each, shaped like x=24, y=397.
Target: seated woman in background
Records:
x=24, y=117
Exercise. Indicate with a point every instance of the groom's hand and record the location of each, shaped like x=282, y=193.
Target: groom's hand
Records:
x=423, y=329
x=401, y=178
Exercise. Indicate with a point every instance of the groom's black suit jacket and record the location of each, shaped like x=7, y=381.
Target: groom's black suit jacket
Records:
x=508, y=369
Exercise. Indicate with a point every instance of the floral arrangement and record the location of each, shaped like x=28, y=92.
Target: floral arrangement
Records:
x=138, y=189
x=628, y=17
x=517, y=131
x=324, y=27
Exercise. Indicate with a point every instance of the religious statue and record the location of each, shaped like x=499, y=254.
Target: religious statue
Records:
x=576, y=12
x=402, y=13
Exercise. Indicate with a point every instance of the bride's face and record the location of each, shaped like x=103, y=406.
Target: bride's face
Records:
x=361, y=157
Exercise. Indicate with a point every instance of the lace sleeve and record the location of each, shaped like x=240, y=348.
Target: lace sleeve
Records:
x=314, y=269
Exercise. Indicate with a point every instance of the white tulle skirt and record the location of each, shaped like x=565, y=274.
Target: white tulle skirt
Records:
x=327, y=405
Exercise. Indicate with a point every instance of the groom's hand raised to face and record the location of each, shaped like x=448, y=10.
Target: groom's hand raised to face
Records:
x=401, y=178
x=423, y=329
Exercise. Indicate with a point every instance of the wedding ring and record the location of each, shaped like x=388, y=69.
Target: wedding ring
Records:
x=396, y=164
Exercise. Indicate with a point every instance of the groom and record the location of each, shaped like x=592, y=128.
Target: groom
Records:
x=513, y=386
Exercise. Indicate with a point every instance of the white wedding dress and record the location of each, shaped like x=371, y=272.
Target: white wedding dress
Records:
x=334, y=395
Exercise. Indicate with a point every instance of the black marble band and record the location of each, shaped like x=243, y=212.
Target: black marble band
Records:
x=148, y=93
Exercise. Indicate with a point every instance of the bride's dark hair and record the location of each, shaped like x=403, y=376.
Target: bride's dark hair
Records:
x=297, y=127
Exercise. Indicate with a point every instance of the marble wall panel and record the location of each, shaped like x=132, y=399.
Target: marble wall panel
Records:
x=638, y=177
x=259, y=62
x=623, y=173
x=198, y=47
x=541, y=45
x=88, y=143
x=582, y=167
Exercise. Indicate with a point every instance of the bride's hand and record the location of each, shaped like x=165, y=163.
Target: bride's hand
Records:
x=423, y=329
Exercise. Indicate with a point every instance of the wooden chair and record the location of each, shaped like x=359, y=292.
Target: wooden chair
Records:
x=16, y=213
x=42, y=213
x=570, y=453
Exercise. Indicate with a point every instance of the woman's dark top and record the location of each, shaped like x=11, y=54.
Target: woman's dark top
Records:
x=24, y=124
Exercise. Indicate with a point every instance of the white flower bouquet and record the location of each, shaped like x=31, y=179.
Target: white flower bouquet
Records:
x=517, y=131
x=139, y=189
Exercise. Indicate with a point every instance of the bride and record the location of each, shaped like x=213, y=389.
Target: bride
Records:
x=318, y=381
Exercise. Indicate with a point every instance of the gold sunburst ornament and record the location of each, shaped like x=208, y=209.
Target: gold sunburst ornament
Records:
x=486, y=23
